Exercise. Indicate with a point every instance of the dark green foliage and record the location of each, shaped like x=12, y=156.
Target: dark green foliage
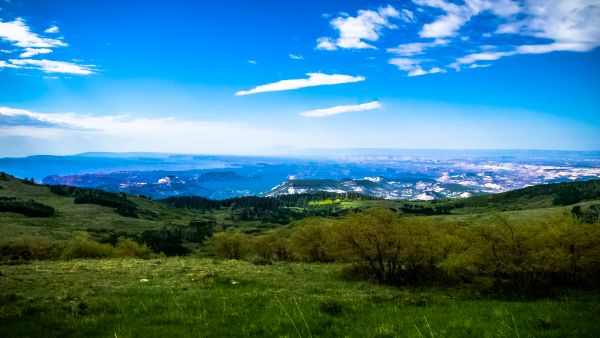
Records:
x=63, y=190
x=198, y=230
x=122, y=205
x=167, y=241
x=575, y=192
x=192, y=202
x=421, y=210
x=590, y=216
x=543, y=195
x=262, y=203
x=29, y=208
x=276, y=210
x=28, y=181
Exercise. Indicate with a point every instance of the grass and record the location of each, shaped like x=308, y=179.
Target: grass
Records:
x=217, y=298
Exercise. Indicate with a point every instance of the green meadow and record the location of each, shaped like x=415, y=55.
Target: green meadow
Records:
x=519, y=264
x=218, y=298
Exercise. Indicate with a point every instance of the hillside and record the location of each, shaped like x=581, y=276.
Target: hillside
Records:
x=322, y=264
x=69, y=217
x=107, y=212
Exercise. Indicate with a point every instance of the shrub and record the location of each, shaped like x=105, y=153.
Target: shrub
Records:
x=83, y=246
x=28, y=248
x=273, y=245
x=128, y=248
x=309, y=240
x=229, y=244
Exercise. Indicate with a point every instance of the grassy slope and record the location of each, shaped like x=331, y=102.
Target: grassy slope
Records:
x=203, y=297
x=212, y=298
x=534, y=201
x=72, y=217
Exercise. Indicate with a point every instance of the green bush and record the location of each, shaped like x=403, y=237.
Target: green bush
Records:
x=273, y=245
x=126, y=247
x=28, y=248
x=309, y=240
x=230, y=244
x=82, y=246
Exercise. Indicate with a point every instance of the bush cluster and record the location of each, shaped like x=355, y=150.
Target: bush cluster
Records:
x=24, y=249
x=514, y=255
x=83, y=246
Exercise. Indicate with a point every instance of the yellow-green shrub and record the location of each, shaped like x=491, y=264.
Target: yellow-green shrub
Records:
x=309, y=240
x=83, y=246
x=229, y=244
x=126, y=247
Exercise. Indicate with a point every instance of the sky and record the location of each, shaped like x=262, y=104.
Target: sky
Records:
x=270, y=77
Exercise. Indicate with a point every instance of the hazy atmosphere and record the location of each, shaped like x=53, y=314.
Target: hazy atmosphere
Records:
x=257, y=77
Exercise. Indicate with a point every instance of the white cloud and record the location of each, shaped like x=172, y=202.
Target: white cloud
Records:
x=19, y=34
x=50, y=66
x=413, y=67
x=296, y=57
x=252, y=62
x=314, y=79
x=4, y=64
x=341, y=109
x=484, y=56
x=29, y=52
x=457, y=15
x=415, y=48
x=366, y=26
x=477, y=65
x=570, y=25
x=52, y=29
x=325, y=43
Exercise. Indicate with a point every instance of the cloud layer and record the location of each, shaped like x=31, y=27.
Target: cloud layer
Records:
x=18, y=34
x=434, y=32
x=341, y=109
x=71, y=133
x=314, y=79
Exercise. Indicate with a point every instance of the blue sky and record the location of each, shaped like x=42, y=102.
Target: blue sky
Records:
x=242, y=77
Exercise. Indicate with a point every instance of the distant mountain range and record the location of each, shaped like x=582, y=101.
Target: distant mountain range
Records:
x=425, y=175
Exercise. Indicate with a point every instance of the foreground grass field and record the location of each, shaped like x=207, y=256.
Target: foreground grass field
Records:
x=218, y=298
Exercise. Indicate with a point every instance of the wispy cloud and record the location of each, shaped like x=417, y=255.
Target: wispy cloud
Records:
x=29, y=52
x=569, y=25
x=414, y=48
x=296, y=57
x=52, y=29
x=519, y=27
x=366, y=26
x=19, y=34
x=314, y=79
x=50, y=66
x=457, y=15
x=413, y=67
x=341, y=109
x=252, y=62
